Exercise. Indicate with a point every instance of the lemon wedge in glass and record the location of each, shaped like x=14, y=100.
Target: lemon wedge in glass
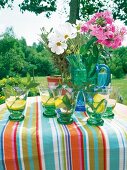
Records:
x=18, y=104
x=47, y=101
x=97, y=99
x=59, y=102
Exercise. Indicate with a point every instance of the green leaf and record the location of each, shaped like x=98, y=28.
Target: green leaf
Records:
x=50, y=93
x=92, y=70
x=10, y=89
x=28, y=77
x=32, y=84
x=66, y=101
x=84, y=48
x=95, y=51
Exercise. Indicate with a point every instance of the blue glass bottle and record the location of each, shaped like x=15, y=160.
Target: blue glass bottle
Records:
x=80, y=104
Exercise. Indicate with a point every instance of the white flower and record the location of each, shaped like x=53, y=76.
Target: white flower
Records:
x=57, y=37
x=66, y=31
x=78, y=25
x=53, y=35
x=56, y=44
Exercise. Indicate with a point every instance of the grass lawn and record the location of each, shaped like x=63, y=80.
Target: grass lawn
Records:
x=121, y=84
x=42, y=81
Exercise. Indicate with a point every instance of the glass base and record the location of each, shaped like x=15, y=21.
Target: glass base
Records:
x=49, y=115
x=93, y=120
x=108, y=114
x=65, y=122
x=16, y=118
x=49, y=111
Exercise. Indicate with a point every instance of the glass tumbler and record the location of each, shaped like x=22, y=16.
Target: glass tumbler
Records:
x=48, y=102
x=15, y=99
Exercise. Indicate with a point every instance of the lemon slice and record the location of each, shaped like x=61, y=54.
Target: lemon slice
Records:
x=44, y=98
x=97, y=99
x=16, y=104
x=46, y=101
x=59, y=102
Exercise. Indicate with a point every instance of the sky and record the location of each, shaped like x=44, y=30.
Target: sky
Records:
x=28, y=24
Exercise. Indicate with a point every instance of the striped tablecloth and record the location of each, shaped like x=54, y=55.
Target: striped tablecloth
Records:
x=40, y=143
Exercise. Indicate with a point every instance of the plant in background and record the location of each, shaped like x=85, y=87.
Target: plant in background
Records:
x=27, y=84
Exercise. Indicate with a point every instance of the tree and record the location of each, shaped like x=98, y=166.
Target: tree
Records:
x=16, y=58
x=11, y=54
x=74, y=11
x=36, y=6
x=85, y=8
x=118, y=63
x=78, y=8
x=3, y=3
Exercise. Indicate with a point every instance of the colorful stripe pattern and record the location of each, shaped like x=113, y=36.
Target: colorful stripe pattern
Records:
x=40, y=143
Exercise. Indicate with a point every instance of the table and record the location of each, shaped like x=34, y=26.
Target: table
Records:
x=40, y=143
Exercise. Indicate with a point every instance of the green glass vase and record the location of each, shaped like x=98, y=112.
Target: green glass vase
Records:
x=78, y=76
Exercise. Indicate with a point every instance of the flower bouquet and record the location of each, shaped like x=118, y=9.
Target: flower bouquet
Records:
x=91, y=41
x=80, y=51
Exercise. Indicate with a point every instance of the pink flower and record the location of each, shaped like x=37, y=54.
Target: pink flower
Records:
x=101, y=25
x=113, y=40
x=111, y=28
x=85, y=28
x=117, y=42
x=108, y=17
x=98, y=32
x=91, y=21
x=123, y=31
x=101, y=18
x=105, y=42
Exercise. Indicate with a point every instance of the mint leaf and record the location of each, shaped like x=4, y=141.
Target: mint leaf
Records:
x=67, y=102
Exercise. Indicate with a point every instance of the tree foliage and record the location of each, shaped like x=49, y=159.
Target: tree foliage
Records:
x=36, y=6
x=118, y=7
x=16, y=58
x=4, y=3
x=85, y=8
x=78, y=8
x=118, y=63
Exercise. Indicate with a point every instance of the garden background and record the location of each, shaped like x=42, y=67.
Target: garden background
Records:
x=17, y=58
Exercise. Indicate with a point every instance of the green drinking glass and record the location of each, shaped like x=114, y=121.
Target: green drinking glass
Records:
x=112, y=95
x=48, y=102
x=96, y=105
x=65, y=107
x=15, y=99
